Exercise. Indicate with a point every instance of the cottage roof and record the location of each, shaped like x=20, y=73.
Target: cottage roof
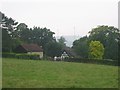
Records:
x=32, y=48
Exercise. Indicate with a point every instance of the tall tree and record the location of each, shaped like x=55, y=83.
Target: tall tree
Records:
x=8, y=29
x=24, y=33
x=81, y=46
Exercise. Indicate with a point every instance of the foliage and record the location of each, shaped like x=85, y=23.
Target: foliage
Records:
x=37, y=35
x=20, y=56
x=96, y=50
x=23, y=33
x=8, y=29
x=28, y=56
x=42, y=36
x=19, y=73
x=62, y=41
x=81, y=46
x=93, y=61
x=119, y=48
x=107, y=35
x=14, y=35
x=8, y=55
x=53, y=49
x=6, y=41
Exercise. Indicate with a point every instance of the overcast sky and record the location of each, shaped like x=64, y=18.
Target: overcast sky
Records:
x=64, y=17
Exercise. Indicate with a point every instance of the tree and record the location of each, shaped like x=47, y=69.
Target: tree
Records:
x=62, y=41
x=118, y=47
x=42, y=36
x=37, y=35
x=107, y=35
x=8, y=29
x=23, y=33
x=80, y=46
x=6, y=41
x=96, y=50
x=53, y=49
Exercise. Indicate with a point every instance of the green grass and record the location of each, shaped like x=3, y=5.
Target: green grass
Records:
x=50, y=74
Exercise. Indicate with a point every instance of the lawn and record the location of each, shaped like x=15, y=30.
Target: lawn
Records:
x=55, y=74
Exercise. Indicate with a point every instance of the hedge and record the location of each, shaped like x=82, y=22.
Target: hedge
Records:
x=81, y=60
x=94, y=61
x=21, y=56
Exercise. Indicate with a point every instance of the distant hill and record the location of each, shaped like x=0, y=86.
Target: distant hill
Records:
x=69, y=39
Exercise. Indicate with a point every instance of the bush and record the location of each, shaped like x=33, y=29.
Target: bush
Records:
x=9, y=55
x=21, y=56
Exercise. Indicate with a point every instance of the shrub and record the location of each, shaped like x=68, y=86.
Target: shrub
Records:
x=8, y=55
x=21, y=56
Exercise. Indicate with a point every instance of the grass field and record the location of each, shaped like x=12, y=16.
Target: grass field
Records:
x=51, y=74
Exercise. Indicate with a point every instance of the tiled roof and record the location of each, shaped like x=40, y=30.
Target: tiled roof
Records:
x=32, y=47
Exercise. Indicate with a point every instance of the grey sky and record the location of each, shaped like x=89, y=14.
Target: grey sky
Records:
x=61, y=16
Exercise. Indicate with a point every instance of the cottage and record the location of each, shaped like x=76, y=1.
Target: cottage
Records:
x=29, y=49
x=69, y=51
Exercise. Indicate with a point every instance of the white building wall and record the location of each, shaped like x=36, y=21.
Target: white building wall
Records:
x=39, y=53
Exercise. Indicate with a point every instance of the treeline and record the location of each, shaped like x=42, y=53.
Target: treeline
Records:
x=108, y=36
x=14, y=34
x=102, y=41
